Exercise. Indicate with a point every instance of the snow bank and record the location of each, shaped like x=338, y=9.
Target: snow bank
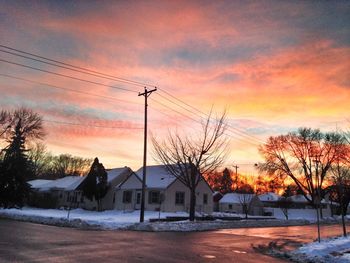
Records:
x=111, y=219
x=335, y=250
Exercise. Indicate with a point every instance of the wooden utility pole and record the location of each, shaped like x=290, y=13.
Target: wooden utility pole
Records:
x=236, y=179
x=146, y=94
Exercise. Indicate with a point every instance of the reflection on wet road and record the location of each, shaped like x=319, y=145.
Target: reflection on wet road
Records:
x=27, y=242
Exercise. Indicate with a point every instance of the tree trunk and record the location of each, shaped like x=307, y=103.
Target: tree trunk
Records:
x=343, y=212
x=192, y=204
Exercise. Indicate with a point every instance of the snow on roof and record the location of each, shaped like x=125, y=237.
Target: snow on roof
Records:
x=301, y=199
x=66, y=183
x=115, y=172
x=37, y=183
x=269, y=197
x=156, y=176
x=235, y=198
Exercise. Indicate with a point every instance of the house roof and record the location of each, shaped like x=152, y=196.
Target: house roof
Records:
x=301, y=199
x=115, y=172
x=37, y=183
x=269, y=197
x=157, y=176
x=234, y=198
x=67, y=183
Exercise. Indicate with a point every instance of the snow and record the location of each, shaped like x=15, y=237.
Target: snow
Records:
x=116, y=219
x=269, y=197
x=235, y=198
x=335, y=250
x=115, y=172
x=156, y=176
x=301, y=199
x=38, y=183
x=66, y=183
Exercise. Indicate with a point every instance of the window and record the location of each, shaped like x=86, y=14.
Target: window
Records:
x=229, y=206
x=154, y=197
x=179, y=198
x=127, y=197
x=113, y=198
x=205, y=199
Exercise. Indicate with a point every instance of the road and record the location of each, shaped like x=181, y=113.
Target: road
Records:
x=28, y=242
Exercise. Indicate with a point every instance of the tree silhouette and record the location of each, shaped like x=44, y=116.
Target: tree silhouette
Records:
x=22, y=125
x=188, y=158
x=95, y=185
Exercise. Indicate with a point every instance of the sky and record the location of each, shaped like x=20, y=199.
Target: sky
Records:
x=274, y=66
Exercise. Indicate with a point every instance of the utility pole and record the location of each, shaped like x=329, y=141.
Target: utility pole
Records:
x=236, y=167
x=146, y=94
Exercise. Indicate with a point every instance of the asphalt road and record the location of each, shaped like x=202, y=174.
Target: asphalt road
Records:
x=28, y=242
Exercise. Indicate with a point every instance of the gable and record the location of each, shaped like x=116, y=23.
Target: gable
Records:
x=132, y=182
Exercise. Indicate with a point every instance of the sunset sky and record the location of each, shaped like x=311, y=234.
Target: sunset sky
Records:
x=274, y=65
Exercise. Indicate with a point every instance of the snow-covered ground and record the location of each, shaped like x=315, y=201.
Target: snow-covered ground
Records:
x=110, y=219
x=335, y=250
x=114, y=219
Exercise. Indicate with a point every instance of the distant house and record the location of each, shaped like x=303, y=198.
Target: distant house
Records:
x=233, y=203
x=299, y=207
x=67, y=191
x=269, y=199
x=216, y=198
x=164, y=192
x=56, y=193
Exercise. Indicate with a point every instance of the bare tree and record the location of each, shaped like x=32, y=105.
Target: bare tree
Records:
x=245, y=196
x=305, y=156
x=284, y=203
x=341, y=189
x=40, y=159
x=188, y=158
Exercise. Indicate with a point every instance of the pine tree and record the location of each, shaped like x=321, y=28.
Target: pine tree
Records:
x=226, y=182
x=13, y=171
x=96, y=185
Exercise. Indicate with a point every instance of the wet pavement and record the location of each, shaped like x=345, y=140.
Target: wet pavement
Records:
x=28, y=242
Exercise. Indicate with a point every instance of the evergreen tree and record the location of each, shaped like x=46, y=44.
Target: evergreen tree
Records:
x=95, y=185
x=226, y=182
x=14, y=170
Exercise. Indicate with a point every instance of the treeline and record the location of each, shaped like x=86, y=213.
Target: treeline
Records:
x=45, y=165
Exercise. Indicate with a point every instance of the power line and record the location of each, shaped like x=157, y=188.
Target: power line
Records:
x=68, y=89
x=66, y=76
x=110, y=77
x=195, y=120
x=124, y=80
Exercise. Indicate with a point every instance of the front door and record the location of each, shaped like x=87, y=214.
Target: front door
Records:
x=138, y=200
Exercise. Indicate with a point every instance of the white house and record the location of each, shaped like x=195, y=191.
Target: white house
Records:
x=114, y=177
x=233, y=203
x=67, y=191
x=163, y=192
x=56, y=193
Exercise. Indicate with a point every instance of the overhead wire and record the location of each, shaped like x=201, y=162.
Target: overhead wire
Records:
x=234, y=130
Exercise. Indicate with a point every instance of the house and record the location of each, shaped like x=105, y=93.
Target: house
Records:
x=300, y=207
x=68, y=191
x=57, y=193
x=216, y=198
x=234, y=202
x=269, y=201
x=114, y=177
x=164, y=192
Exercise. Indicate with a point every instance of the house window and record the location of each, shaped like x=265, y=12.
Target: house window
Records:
x=205, y=199
x=154, y=197
x=229, y=206
x=179, y=198
x=113, y=198
x=127, y=197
